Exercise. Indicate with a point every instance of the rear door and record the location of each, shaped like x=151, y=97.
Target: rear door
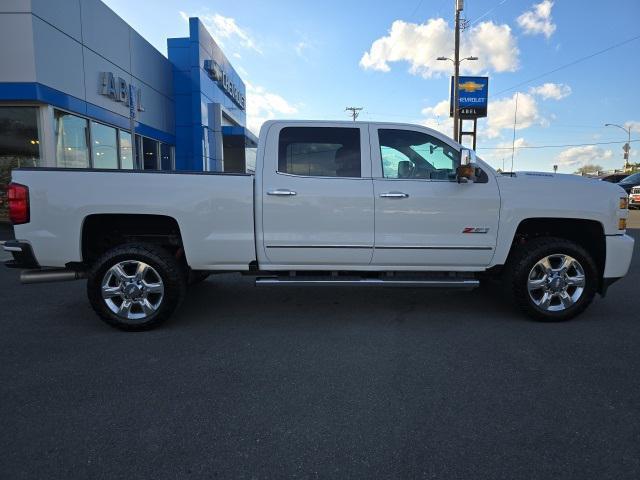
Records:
x=423, y=216
x=317, y=195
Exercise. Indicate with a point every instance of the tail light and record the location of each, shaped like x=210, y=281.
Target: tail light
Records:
x=18, y=197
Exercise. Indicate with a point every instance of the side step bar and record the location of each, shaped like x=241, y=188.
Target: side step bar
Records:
x=368, y=282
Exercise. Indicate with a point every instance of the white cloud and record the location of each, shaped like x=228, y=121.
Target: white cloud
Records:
x=222, y=27
x=500, y=114
x=579, y=156
x=421, y=44
x=300, y=47
x=438, y=117
x=263, y=105
x=634, y=125
x=538, y=20
x=554, y=91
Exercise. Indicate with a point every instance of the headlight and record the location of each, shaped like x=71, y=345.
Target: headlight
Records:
x=624, y=203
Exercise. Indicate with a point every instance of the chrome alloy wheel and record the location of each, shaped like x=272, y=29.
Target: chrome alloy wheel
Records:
x=132, y=290
x=556, y=282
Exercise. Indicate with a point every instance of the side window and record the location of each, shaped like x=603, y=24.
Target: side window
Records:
x=410, y=154
x=319, y=151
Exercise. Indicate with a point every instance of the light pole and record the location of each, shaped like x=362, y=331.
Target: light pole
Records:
x=627, y=147
x=456, y=74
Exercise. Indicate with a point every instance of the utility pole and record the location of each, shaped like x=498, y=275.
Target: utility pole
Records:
x=355, y=111
x=460, y=24
x=627, y=146
x=456, y=72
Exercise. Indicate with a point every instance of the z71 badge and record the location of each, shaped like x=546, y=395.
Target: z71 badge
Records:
x=475, y=230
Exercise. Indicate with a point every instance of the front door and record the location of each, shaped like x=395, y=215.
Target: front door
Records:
x=423, y=216
x=317, y=196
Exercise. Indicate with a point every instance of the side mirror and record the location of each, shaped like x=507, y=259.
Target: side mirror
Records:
x=466, y=172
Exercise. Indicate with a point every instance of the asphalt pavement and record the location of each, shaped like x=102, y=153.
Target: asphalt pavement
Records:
x=293, y=382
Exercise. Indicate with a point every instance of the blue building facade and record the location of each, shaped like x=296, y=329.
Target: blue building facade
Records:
x=210, y=99
x=72, y=74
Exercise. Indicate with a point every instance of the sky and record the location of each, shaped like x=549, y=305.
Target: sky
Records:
x=307, y=59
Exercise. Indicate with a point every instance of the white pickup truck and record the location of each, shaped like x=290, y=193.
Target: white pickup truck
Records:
x=331, y=203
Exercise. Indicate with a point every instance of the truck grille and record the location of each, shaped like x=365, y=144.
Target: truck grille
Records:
x=635, y=190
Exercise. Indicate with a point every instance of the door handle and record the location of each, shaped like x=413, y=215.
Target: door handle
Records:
x=394, y=195
x=282, y=192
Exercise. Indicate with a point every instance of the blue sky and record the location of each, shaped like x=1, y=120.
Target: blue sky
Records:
x=303, y=59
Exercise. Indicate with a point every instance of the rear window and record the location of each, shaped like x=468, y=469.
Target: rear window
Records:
x=319, y=151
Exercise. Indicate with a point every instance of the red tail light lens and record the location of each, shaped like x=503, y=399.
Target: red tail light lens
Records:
x=18, y=197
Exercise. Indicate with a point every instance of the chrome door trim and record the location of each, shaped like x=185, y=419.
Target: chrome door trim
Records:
x=430, y=247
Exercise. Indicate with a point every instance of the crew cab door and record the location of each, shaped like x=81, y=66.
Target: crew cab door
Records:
x=317, y=196
x=423, y=216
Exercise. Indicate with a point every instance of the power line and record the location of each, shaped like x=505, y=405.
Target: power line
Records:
x=487, y=12
x=416, y=9
x=566, y=65
x=558, y=146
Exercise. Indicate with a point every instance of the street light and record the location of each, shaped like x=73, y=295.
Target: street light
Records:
x=456, y=75
x=628, y=146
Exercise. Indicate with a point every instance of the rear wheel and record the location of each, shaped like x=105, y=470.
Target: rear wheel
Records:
x=552, y=279
x=136, y=286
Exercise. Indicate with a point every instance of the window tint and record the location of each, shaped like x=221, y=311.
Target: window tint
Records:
x=409, y=154
x=150, y=153
x=71, y=134
x=104, y=151
x=319, y=151
x=165, y=157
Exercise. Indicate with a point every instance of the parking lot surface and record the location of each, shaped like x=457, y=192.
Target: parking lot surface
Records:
x=298, y=382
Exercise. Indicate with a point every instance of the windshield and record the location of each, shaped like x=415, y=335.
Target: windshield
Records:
x=635, y=178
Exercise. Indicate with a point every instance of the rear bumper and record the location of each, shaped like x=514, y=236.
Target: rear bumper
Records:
x=22, y=252
x=619, y=253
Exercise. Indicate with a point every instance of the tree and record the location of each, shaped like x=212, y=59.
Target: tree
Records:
x=589, y=168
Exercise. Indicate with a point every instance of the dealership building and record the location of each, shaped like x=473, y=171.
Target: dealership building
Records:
x=76, y=81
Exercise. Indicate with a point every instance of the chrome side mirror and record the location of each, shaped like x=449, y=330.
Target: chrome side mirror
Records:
x=466, y=172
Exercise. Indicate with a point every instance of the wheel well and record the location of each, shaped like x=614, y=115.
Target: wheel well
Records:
x=102, y=232
x=587, y=233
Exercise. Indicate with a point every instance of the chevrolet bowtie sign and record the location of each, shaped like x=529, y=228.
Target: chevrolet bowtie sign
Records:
x=217, y=74
x=473, y=94
x=116, y=88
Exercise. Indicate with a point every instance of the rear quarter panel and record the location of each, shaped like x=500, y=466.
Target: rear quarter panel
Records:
x=214, y=212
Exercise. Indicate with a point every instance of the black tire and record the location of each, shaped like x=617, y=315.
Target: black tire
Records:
x=165, y=265
x=523, y=260
x=197, y=276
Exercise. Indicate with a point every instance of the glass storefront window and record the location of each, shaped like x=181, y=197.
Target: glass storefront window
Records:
x=104, y=150
x=19, y=145
x=71, y=140
x=165, y=157
x=150, y=153
x=126, y=160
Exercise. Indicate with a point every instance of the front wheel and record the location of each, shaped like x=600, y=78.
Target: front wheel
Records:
x=552, y=279
x=136, y=286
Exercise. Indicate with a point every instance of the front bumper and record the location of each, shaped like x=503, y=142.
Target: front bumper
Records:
x=22, y=252
x=619, y=253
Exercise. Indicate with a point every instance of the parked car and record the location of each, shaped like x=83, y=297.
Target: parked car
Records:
x=613, y=177
x=331, y=203
x=634, y=198
x=629, y=182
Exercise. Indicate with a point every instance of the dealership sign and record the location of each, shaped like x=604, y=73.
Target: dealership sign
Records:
x=217, y=74
x=473, y=94
x=117, y=89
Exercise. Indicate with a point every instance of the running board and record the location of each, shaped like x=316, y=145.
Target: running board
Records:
x=369, y=282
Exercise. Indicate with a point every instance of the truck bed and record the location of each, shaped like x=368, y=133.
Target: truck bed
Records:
x=214, y=211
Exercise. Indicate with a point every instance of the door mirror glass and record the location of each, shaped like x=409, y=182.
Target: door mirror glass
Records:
x=467, y=157
x=466, y=172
